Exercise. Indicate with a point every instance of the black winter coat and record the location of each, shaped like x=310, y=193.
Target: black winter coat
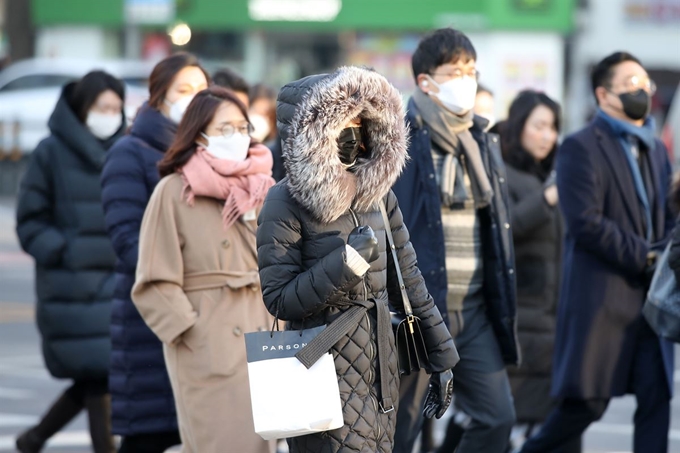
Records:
x=303, y=229
x=605, y=253
x=537, y=233
x=141, y=395
x=60, y=223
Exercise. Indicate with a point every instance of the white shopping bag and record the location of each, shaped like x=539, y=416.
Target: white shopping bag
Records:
x=288, y=399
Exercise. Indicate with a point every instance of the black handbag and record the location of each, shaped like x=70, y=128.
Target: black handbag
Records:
x=411, y=349
x=662, y=307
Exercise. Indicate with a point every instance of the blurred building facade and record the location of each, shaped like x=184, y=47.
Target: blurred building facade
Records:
x=649, y=29
x=521, y=43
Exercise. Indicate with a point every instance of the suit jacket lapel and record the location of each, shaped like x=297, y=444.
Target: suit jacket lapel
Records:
x=611, y=148
x=658, y=207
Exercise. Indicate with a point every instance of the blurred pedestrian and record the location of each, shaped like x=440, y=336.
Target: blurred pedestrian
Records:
x=612, y=179
x=485, y=106
x=529, y=142
x=197, y=283
x=263, y=112
x=263, y=108
x=454, y=198
x=143, y=408
x=60, y=223
x=322, y=250
x=226, y=78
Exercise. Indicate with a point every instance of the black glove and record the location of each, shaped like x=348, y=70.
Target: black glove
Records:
x=439, y=395
x=362, y=239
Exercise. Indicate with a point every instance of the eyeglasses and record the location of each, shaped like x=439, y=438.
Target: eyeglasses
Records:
x=229, y=129
x=457, y=74
x=640, y=83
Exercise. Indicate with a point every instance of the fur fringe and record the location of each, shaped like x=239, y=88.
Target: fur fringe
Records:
x=316, y=177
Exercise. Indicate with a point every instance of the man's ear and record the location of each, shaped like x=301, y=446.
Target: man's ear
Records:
x=600, y=95
x=424, y=83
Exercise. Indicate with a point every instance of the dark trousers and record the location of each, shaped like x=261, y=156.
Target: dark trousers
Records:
x=481, y=390
x=652, y=417
x=149, y=443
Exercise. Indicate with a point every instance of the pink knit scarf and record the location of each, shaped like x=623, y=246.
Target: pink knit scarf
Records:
x=243, y=185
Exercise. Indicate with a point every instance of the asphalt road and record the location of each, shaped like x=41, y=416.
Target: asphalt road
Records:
x=26, y=388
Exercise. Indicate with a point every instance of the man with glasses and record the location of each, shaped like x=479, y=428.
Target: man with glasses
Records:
x=612, y=178
x=454, y=200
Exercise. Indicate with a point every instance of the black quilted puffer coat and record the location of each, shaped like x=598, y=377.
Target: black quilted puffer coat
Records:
x=303, y=228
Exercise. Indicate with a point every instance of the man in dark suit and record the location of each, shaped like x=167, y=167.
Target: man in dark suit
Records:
x=613, y=178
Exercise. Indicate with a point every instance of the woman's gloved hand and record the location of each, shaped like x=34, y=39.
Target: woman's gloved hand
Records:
x=363, y=240
x=439, y=395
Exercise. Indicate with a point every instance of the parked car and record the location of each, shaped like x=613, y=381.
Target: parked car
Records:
x=29, y=91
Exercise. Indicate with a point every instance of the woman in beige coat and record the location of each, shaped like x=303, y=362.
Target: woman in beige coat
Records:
x=197, y=284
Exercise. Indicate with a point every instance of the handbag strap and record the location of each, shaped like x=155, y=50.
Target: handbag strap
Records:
x=388, y=229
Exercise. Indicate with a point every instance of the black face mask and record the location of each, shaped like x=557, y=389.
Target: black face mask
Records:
x=636, y=104
x=349, y=144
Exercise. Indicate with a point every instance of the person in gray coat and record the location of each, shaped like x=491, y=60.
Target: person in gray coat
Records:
x=60, y=223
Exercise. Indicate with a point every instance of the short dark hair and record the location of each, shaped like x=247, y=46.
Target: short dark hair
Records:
x=511, y=130
x=439, y=47
x=483, y=89
x=164, y=73
x=262, y=91
x=227, y=78
x=602, y=73
x=86, y=91
x=198, y=116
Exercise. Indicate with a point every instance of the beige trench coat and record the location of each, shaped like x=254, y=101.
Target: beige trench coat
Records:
x=198, y=289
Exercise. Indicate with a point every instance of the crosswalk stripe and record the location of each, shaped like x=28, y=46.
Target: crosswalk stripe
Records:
x=63, y=439
x=16, y=420
x=15, y=394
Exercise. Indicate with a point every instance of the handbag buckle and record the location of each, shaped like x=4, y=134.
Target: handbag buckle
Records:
x=382, y=409
x=410, y=320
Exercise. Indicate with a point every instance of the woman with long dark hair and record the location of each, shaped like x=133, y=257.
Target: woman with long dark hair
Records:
x=529, y=139
x=143, y=408
x=60, y=223
x=197, y=284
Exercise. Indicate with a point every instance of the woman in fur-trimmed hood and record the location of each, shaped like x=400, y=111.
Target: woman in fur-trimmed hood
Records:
x=322, y=248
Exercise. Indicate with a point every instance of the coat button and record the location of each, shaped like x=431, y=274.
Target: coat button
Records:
x=507, y=226
x=501, y=180
x=494, y=139
x=425, y=131
x=225, y=244
x=511, y=271
x=442, y=269
x=431, y=175
x=237, y=331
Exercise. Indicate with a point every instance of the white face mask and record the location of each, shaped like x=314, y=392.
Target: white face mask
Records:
x=261, y=127
x=457, y=95
x=178, y=108
x=103, y=125
x=228, y=148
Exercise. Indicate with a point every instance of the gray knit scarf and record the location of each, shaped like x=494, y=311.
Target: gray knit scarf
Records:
x=451, y=134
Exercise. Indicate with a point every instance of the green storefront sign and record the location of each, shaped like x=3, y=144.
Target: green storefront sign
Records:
x=327, y=15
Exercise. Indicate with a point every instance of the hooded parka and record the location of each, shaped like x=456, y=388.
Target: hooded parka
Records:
x=60, y=223
x=301, y=238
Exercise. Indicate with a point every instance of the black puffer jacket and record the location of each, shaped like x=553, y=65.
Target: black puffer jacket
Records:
x=60, y=223
x=303, y=227
x=537, y=234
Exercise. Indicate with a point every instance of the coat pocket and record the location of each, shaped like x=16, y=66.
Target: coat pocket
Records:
x=227, y=346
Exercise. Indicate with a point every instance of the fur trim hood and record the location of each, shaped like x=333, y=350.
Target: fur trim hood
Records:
x=316, y=177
